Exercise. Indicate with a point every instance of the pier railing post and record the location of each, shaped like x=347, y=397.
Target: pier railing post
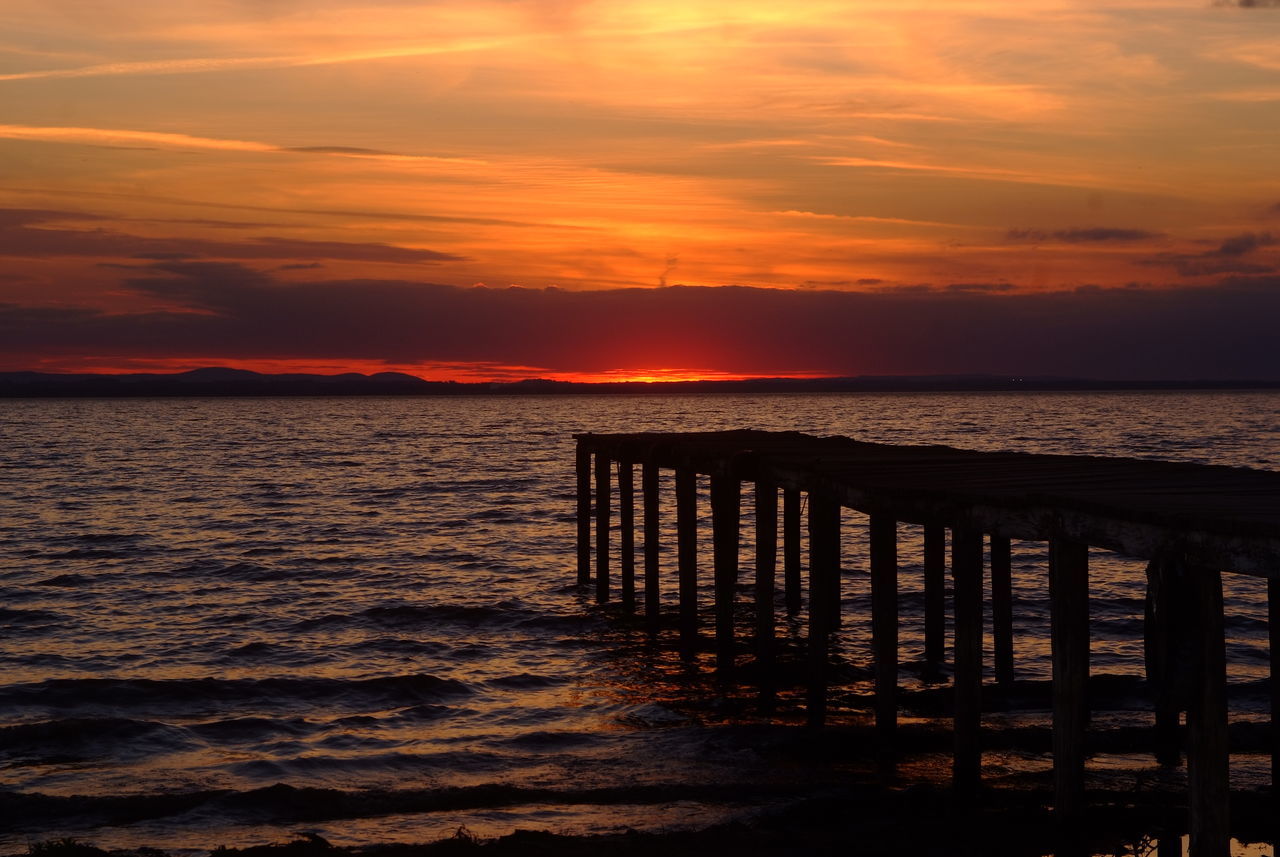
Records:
x=824, y=564
x=1002, y=607
x=603, y=489
x=652, y=545
x=726, y=493
x=584, y=513
x=1208, y=762
x=966, y=573
x=687, y=555
x=627, y=534
x=884, y=624
x=935, y=608
x=766, y=498
x=1069, y=643
x=791, y=562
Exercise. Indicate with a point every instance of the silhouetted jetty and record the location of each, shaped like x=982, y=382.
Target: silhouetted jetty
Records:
x=1192, y=522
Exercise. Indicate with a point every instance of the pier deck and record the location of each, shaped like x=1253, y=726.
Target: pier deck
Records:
x=1192, y=522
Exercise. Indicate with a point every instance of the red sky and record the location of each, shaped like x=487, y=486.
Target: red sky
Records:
x=563, y=188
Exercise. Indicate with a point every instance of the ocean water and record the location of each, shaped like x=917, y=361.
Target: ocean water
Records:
x=224, y=620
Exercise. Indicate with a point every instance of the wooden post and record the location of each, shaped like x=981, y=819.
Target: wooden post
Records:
x=766, y=496
x=627, y=534
x=966, y=574
x=824, y=563
x=652, y=535
x=687, y=554
x=1273, y=637
x=935, y=607
x=791, y=549
x=1208, y=763
x=884, y=624
x=584, y=514
x=1165, y=626
x=602, y=527
x=726, y=500
x=1069, y=642
x=1002, y=608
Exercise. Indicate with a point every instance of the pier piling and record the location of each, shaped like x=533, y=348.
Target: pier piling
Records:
x=1069, y=642
x=766, y=498
x=627, y=535
x=935, y=584
x=687, y=555
x=584, y=515
x=602, y=528
x=884, y=624
x=966, y=576
x=652, y=545
x=791, y=562
x=824, y=565
x=726, y=498
x=1002, y=607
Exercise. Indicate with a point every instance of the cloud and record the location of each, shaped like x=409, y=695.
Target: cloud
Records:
x=232, y=311
x=1249, y=4
x=1082, y=236
x=114, y=137
x=1226, y=258
x=22, y=235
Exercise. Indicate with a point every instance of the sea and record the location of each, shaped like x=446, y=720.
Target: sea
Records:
x=227, y=620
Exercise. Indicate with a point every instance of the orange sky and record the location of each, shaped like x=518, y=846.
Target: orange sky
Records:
x=317, y=149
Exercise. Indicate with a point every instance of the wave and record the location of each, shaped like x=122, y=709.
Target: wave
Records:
x=116, y=694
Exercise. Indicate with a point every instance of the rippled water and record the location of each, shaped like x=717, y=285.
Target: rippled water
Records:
x=223, y=619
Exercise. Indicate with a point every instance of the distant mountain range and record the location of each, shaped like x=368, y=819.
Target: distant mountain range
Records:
x=241, y=382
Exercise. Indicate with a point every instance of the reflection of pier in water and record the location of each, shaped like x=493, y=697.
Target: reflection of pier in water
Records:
x=1190, y=521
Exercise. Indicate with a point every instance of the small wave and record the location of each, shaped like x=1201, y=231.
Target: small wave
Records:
x=527, y=681
x=69, y=581
x=414, y=616
x=17, y=618
x=97, y=693
x=84, y=738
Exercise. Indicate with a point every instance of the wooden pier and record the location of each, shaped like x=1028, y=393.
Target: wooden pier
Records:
x=1192, y=522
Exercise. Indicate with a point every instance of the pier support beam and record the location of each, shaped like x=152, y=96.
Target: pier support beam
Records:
x=726, y=511
x=966, y=574
x=627, y=534
x=1273, y=638
x=884, y=625
x=824, y=564
x=652, y=544
x=1208, y=763
x=1069, y=642
x=766, y=497
x=1002, y=607
x=1165, y=628
x=602, y=527
x=791, y=564
x=584, y=514
x=935, y=584
x=687, y=555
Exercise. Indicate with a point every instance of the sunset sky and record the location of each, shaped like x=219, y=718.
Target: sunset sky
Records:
x=480, y=189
